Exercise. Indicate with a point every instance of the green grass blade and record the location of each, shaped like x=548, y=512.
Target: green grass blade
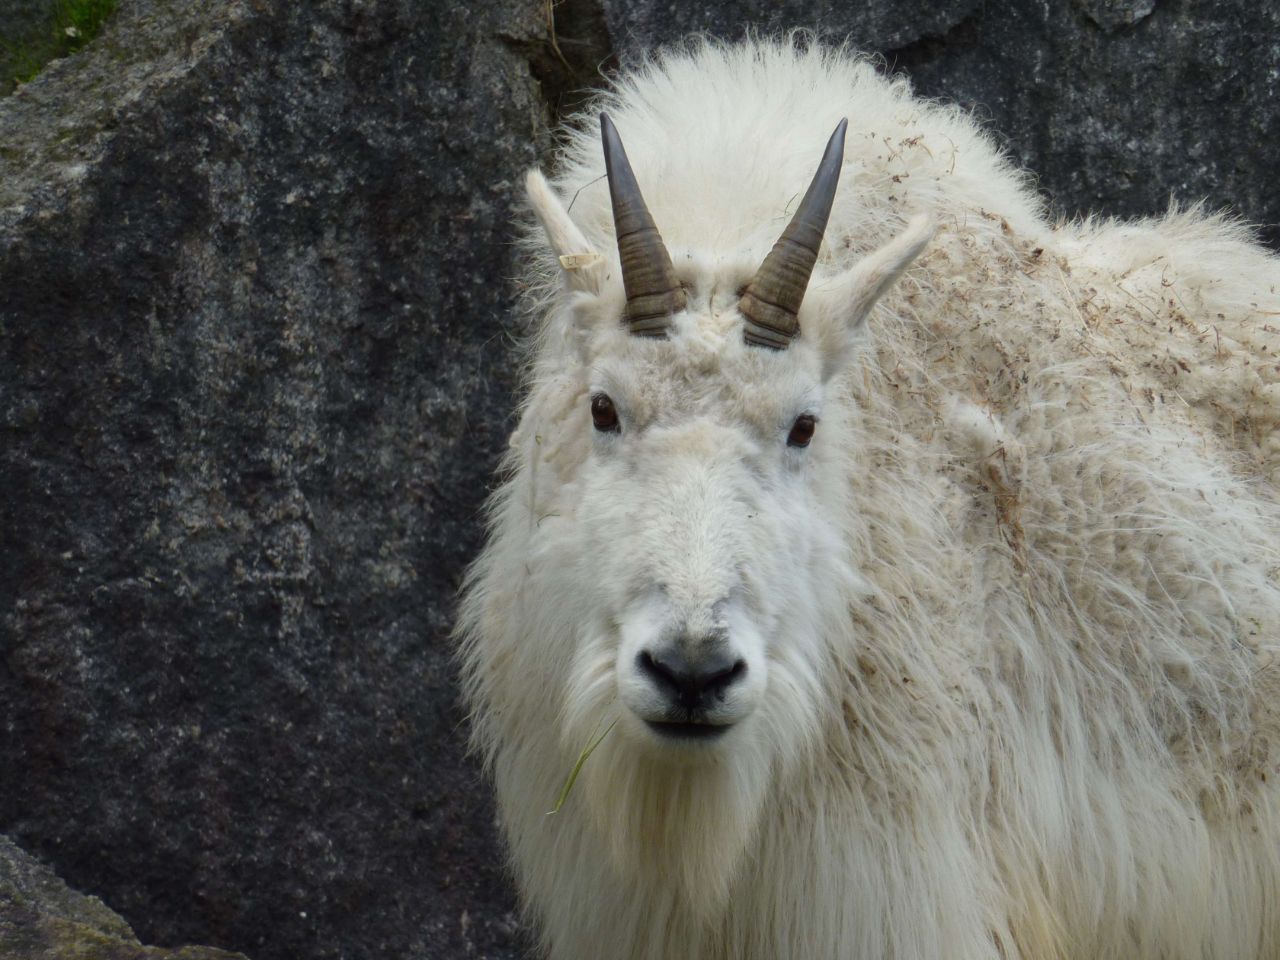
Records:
x=577, y=768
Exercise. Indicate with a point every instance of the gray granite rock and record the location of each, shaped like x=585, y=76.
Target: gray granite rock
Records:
x=41, y=918
x=1119, y=106
x=1111, y=15
x=254, y=320
x=255, y=375
x=641, y=25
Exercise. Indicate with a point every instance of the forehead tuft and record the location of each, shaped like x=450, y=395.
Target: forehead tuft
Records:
x=701, y=338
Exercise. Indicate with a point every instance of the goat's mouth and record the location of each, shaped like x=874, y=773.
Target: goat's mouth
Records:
x=688, y=729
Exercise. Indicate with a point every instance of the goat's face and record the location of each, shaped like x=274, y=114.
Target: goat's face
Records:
x=698, y=506
x=699, y=527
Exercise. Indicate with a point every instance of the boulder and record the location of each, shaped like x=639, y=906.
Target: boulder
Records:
x=41, y=918
x=255, y=314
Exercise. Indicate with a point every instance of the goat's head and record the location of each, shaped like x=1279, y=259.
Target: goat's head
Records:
x=698, y=511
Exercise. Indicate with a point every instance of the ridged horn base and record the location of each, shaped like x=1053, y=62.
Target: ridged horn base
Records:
x=766, y=325
x=650, y=316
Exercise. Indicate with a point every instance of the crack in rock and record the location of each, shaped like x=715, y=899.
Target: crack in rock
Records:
x=1113, y=15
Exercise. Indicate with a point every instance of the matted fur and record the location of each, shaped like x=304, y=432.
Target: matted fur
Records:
x=1024, y=693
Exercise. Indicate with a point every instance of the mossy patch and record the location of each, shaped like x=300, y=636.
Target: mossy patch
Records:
x=69, y=25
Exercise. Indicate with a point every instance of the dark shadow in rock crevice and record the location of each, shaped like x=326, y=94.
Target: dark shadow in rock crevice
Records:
x=571, y=58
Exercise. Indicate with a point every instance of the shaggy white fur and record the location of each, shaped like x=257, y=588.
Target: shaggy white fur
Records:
x=1013, y=617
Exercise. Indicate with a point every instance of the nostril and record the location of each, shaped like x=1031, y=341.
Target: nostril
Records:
x=719, y=682
x=690, y=686
x=664, y=675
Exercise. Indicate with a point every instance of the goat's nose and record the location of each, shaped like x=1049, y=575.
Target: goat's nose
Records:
x=692, y=684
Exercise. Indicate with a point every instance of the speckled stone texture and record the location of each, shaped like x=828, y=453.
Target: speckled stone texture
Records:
x=41, y=918
x=254, y=379
x=256, y=372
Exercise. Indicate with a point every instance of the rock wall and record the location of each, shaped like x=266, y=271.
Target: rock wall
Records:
x=256, y=371
x=253, y=330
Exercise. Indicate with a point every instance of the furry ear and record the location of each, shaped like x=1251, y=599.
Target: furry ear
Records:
x=846, y=302
x=583, y=268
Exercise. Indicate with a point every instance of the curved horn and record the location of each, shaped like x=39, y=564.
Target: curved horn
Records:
x=771, y=302
x=653, y=292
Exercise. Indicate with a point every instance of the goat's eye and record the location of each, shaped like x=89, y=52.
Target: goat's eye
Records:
x=802, y=431
x=604, y=414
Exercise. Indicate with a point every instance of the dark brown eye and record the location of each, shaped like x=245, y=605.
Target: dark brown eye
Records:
x=603, y=414
x=802, y=431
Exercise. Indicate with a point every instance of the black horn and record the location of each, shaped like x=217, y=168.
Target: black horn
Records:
x=771, y=302
x=653, y=292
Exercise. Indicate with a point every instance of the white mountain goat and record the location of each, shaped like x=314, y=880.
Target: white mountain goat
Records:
x=934, y=620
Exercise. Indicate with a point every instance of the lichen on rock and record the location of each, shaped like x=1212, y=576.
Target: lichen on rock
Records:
x=41, y=918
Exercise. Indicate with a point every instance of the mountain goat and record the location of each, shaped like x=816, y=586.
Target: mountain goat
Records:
x=935, y=618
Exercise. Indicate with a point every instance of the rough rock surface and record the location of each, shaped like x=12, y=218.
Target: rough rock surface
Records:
x=253, y=321
x=41, y=918
x=255, y=373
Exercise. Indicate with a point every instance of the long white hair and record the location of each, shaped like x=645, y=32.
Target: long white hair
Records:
x=1012, y=619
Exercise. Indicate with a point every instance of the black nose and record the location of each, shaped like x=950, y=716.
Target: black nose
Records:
x=692, y=684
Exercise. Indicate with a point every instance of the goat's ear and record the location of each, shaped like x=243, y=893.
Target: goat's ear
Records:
x=845, y=303
x=582, y=267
